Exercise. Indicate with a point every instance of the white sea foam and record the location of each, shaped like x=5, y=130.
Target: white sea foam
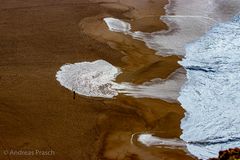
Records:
x=187, y=21
x=167, y=89
x=96, y=79
x=211, y=95
x=117, y=25
x=89, y=78
x=151, y=140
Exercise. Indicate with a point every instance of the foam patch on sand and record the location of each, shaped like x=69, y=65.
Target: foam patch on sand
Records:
x=211, y=95
x=117, y=25
x=89, y=78
x=150, y=140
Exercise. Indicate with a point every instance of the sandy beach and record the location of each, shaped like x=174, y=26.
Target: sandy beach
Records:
x=37, y=113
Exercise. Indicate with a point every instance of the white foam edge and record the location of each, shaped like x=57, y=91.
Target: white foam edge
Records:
x=150, y=140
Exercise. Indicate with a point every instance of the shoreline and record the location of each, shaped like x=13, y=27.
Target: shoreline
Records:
x=143, y=36
x=105, y=36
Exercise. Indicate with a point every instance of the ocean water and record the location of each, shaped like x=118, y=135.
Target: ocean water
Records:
x=211, y=96
x=187, y=21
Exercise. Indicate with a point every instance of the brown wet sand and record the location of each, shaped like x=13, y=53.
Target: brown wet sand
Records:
x=36, y=113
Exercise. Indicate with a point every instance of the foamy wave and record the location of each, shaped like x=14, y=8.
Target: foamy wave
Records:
x=211, y=95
